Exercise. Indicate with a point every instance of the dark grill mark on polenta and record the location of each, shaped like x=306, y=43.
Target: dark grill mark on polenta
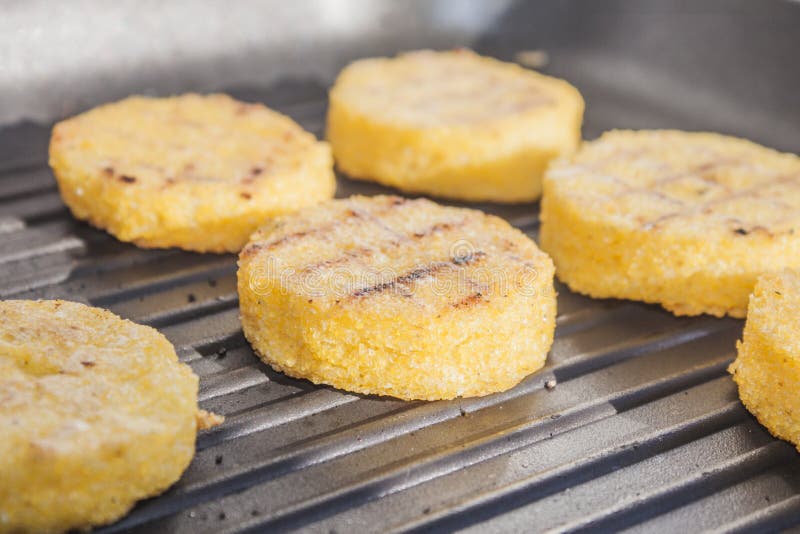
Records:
x=438, y=227
x=707, y=208
x=739, y=230
x=350, y=214
x=354, y=254
x=470, y=300
x=431, y=269
x=466, y=259
x=253, y=248
x=252, y=174
x=285, y=239
x=404, y=279
x=124, y=178
x=326, y=263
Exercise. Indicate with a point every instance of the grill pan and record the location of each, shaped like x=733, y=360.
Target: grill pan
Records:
x=643, y=431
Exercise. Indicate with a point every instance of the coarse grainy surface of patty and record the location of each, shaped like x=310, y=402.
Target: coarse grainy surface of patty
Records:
x=452, y=124
x=767, y=367
x=686, y=220
x=198, y=172
x=406, y=298
x=96, y=413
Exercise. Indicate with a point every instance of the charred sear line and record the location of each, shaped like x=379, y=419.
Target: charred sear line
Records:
x=431, y=269
x=349, y=215
x=438, y=227
x=354, y=254
x=707, y=208
x=402, y=280
x=124, y=178
x=462, y=260
x=374, y=218
x=252, y=175
x=303, y=233
x=326, y=264
x=466, y=259
x=253, y=248
x=469, y=301
x=753, y=230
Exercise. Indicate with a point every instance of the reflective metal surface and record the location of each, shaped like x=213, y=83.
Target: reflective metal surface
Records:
x=643, y=430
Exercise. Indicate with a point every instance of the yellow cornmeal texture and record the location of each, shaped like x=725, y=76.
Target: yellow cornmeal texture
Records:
x=96, y=413
x=687, y=220
x=195, y=172
x=767, y=368
x=394, y=297
x=452, y=124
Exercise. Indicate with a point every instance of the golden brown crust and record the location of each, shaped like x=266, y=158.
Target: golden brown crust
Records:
x=767, y=368
x=451, y=124
x=687, y=220
x=96, y=413
x=397, y=297
x=196, y=172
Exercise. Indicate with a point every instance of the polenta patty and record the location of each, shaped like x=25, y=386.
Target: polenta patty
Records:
x=398, y=297
x=767, y=368
x=192, y=171
x=96, y=413
x=687, y=220
x=452, y=124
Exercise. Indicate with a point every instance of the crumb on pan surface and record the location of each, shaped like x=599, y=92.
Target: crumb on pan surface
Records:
x=199, y=172
x=97, y=412
x=398, y=297
x=767, y=367
x=687, y=220
x=451, y=124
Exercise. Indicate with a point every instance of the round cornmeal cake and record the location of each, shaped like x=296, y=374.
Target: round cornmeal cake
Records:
x=192, y=171
x=767, y=368
x=96, y=413
x=452, y=124
x=687, y=220
x=406, y=298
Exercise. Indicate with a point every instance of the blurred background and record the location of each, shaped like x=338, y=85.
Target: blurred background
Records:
x=640, y=63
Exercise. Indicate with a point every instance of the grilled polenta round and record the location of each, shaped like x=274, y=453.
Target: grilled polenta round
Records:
x=767, y=368
x=451, y=124
x=389, y=296
x=96, y=413
x=687, y=220
x=195, y=172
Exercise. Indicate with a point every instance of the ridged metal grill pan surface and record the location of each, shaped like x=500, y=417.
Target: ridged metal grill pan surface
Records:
x=643, y=430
